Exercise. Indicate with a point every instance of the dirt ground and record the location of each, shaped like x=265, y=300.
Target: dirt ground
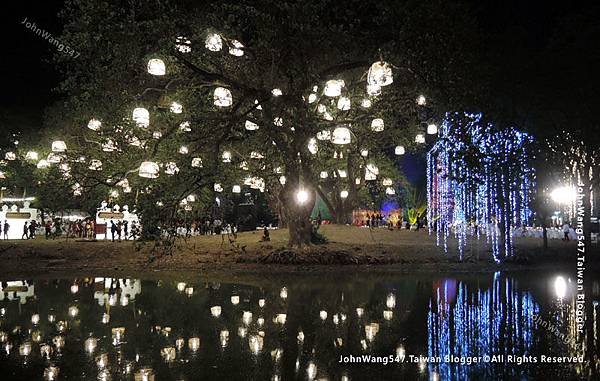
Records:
x=358, y=248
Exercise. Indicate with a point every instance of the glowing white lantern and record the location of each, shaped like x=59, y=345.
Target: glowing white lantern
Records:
x=247, y=317
x=183, y=150
x=377, y=125
x=333, y=87
x=236, y=189
x=109, y=146
x=226, y=157
x=301, y=196
x=43, y=164
x=373, y=90
x=432, y=129
x=31, y=155
x=387, y=182
x=194, y=343
x=312, y=146
x=323, y=315
x=342, y=173
x=215, y=311
x=321, y=108
x=366, y=103
x=157, y=134
x=235, y=300
x=213, y=42
x=390, y=191
x=183, y=44
x=197, y=162
x=218, y=187
x=388, y=315
x=327, y=116
x=176, y=108
x=323, y=174
x=156, y=66
x=421, y=100
x=312, y=98
x=251, y=126
x=311, y=371
x=95, y=165
x=282, y=180
x=141, y=117
x=73, y=311
x=59, y=146
x=343, y=103
x=149, y=170
x=256, y=343
x=256, y=155
x=341, y=135
x=420, y=138
x=399, y=150
x=357, y=181
x=10, y=156
x=390, y=301
x=276, y=92
x=51, y=373
x=53, y=158
x=344, y=194
x=371, y=172
x=171, y=168
x=236, y=49
x=185, y=126
x=380, y=74
x=94, y=124
x=324, y=135
x=278, y=121
x=222, y=97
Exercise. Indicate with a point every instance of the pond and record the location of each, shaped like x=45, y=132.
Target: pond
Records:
x=301, y=327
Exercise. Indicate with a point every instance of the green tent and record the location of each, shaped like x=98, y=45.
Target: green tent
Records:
x=320, y=206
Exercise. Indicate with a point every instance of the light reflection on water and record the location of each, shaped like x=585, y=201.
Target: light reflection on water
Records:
x=113, y=329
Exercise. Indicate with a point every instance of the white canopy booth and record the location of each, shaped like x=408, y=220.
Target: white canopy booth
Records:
x=105, y=215
x=16, y=218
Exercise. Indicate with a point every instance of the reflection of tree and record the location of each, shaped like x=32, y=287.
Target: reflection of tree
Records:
x=495, y=321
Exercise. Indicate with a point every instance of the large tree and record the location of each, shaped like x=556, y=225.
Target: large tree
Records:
x=280, y=62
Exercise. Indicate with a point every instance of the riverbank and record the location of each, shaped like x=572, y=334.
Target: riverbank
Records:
x=349, y=249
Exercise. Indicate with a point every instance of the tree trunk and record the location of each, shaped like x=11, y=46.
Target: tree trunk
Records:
x=297, y=214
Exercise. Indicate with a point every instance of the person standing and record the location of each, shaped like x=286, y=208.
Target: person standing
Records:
x=25, y=234
x=566, y=229
x=126, y=230
x=32, y=227
x=48, y=228
x=5, y=229
x=113, y=229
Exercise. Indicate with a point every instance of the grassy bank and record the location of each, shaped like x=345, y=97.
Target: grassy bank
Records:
x=358, y=248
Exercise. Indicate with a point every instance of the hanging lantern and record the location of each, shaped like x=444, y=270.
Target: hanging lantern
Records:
x=213, y=42
x=432, y=129
x=344, y=194
x=236, y=49
x=31, y=155
x=183, y=44
x=324, y=135
x=251, y=126
x=327, y=116
x=373, y=90
x=109, y=146
x=222, y=97
x=218, y=187
x=256, y=155
x=377, y=125
x=364, y=153
x=141, y=116
x=43, y=164
x=236, y=189
x=171, y=168
x=313, y=146
x=10, y=156
x=323, y=174
x=76, y=189
x=371, y=172
x=244, y=165
x=282, y=180
x=341, y=135
x=197, y=162
x=342, y=173
x=390, y=191
x=420, y=138
x=399, y=150
x=357, y=181
x=94, y=124
x=333, y=87
x=278, y=121
x=343, y=103
x=149, y=170
x=276, y=92
x=59, y=146
x=185, y=126
x=321, y=108
x=183, y=150
x=226, y=157
x=156, y=66
x=312, y=98
x=2, y=175
x=365, y=103
x=176, y=108
x=95, y=165
x=380, y=74
x=157, y=134
x=421, y=100
x=387, y=182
